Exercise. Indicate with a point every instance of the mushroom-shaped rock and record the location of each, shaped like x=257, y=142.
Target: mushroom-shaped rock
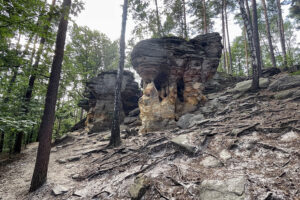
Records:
x=173, y=72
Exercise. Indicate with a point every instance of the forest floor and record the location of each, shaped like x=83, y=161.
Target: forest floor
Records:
x=248, y=147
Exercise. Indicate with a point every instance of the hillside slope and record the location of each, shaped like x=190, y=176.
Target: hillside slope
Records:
x=239, y=145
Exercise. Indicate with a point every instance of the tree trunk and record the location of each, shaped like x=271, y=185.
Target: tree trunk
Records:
x=224, y=38
x=29, y=90
x=281, y=33
x=41, y=166
x=256, y=41
x=1, y=141
x=246, y=51
x=254, y=60
x=269, y=34
x=228, y=41
x=158, y=20
x=204, y=17
x=184, y=20
x=115, y=139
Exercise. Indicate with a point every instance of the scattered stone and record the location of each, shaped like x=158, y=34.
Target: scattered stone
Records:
x=73, y=158
x=139, y=187
x=211, y=162
x=184, y=121
x=271, y=71
x=61, y=161
x=76, y=176
x=190, y=142
x=225, y=155
x=228, y=189
x=246, y=85
x=290, y=136
x=285, y=82
x=59, y=190
x=129, y=120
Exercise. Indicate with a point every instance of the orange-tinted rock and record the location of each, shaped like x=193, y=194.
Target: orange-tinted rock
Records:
x=173, y=72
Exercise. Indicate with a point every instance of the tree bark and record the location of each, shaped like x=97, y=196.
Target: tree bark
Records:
x=184, y=20
x=254, y=60
x=224, y=39
x=269, y=34
x=256, y=41
x=281, y=33
x=246, y=51
x=115, y=139
x=1, y=141
x=204, y=17
x=158, y=20
x=41, y=166
x=228, y=40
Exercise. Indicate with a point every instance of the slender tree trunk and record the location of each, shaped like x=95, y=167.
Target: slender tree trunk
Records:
x=269, y=34
x=246, y=51
x=41, y=166
x=1, y=141
x=254, y=60
x=115, y=139
x=281, y=33
x=81, y=114
x=158, y=20
x=204, y=17
x=184, y=20
x=256, y=40
x=228, y=40
x=29, y=90
x=224, y=39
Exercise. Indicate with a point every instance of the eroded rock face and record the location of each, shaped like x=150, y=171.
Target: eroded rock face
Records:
x=173, y=72
x=100, y=99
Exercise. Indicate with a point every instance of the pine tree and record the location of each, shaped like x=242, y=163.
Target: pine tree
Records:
x=115, y=139
x=45, y=132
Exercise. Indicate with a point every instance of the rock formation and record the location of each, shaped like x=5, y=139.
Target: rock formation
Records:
x=99, y=102
x=173, y=73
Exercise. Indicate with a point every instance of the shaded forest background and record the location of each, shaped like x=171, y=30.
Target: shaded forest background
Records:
x=27, y=41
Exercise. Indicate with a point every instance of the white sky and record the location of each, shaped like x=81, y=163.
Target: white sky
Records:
x=106, y=15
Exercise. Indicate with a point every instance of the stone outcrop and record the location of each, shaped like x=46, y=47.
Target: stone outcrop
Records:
x=173, y=73
x=99, y=102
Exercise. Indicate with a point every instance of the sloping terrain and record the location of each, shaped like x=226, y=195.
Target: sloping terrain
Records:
x=239, y=145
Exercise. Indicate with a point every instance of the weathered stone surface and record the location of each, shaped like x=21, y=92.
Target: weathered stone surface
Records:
x=225, y=155
x=58, y=190
x=211, y=162
x=100, y=99
x=228, y=189
x=246, y=85
x=138, y=189
x=188, y=120
x=173, y=72
x=191, y=142
x=267, y=72
x=285, y=82
x=290, y=136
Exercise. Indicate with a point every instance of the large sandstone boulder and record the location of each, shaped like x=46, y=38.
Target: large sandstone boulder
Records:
x=173, y=73
x=99, y=102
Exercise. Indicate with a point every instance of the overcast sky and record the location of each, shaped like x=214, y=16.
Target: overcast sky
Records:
x=106, y=15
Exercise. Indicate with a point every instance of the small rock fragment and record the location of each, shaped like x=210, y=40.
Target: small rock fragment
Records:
x=58, y=190
x=211, y=162
x=138, y=189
